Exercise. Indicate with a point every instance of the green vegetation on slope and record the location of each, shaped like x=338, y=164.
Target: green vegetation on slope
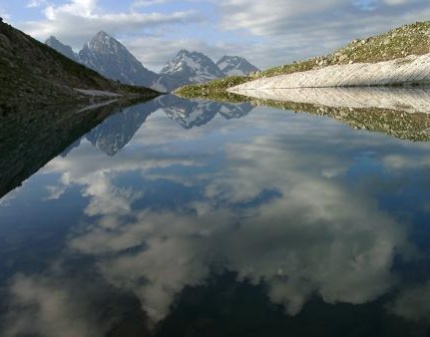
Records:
x=214, y=90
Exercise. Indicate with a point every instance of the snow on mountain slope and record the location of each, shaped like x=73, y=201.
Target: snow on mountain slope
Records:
x=188, y=67
x=110, y=58
x=235, y=65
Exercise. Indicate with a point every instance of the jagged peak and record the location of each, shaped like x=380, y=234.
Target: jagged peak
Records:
x=52, y=38
x=229, y=57
x=102, y=40
x=185, y=52
x=102, y=34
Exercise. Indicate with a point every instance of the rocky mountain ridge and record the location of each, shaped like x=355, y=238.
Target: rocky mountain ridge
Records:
x=110, y=58
x=188, y=67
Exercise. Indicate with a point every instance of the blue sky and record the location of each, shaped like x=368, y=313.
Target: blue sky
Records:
x=267, y=33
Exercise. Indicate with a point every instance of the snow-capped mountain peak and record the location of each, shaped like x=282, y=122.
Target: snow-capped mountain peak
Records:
x=112, y=59
x=188, y=67
x=104, y=43
x=235, y=65
x=198, y=65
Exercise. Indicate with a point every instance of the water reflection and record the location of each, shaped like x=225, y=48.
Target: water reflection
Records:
x=401, y=112
x=270, y=223
x=198, y=113
x=29, y=139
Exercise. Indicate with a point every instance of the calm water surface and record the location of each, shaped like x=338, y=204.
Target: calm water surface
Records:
x=180, y=218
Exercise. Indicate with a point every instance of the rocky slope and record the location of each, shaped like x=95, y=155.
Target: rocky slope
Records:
x=235, y=66
x=188, y=67
x=32, y=74
x=110, y=58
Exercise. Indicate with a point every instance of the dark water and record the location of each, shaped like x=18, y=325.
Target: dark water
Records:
x=179, y=218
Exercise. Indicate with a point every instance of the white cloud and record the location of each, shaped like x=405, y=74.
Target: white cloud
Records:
x=36, y=3
x=40, y=306
x=261, y=19
x=316, y=236
x=146, y=3
x=300, y=29
x=77, y=21
x=400, y=2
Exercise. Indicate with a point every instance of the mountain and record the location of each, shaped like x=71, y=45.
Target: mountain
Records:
x=186, y=68
x=62, y=48
x=33, y=74
x=235, y=66
x=110, y=58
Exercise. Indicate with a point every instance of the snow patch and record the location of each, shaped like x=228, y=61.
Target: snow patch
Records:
x=97, y=93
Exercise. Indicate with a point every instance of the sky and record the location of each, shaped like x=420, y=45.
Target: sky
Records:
x=267, y=33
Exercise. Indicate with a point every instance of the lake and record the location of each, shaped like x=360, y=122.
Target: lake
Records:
x=197, y=218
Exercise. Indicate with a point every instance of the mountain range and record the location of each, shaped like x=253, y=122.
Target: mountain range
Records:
x=111, y=59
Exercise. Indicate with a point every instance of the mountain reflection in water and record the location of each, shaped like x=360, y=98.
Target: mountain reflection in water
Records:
x=272, y=224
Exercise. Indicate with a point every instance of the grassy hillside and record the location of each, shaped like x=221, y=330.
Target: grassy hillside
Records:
x=412, y=39
x=32, y=73
x=214, y=89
